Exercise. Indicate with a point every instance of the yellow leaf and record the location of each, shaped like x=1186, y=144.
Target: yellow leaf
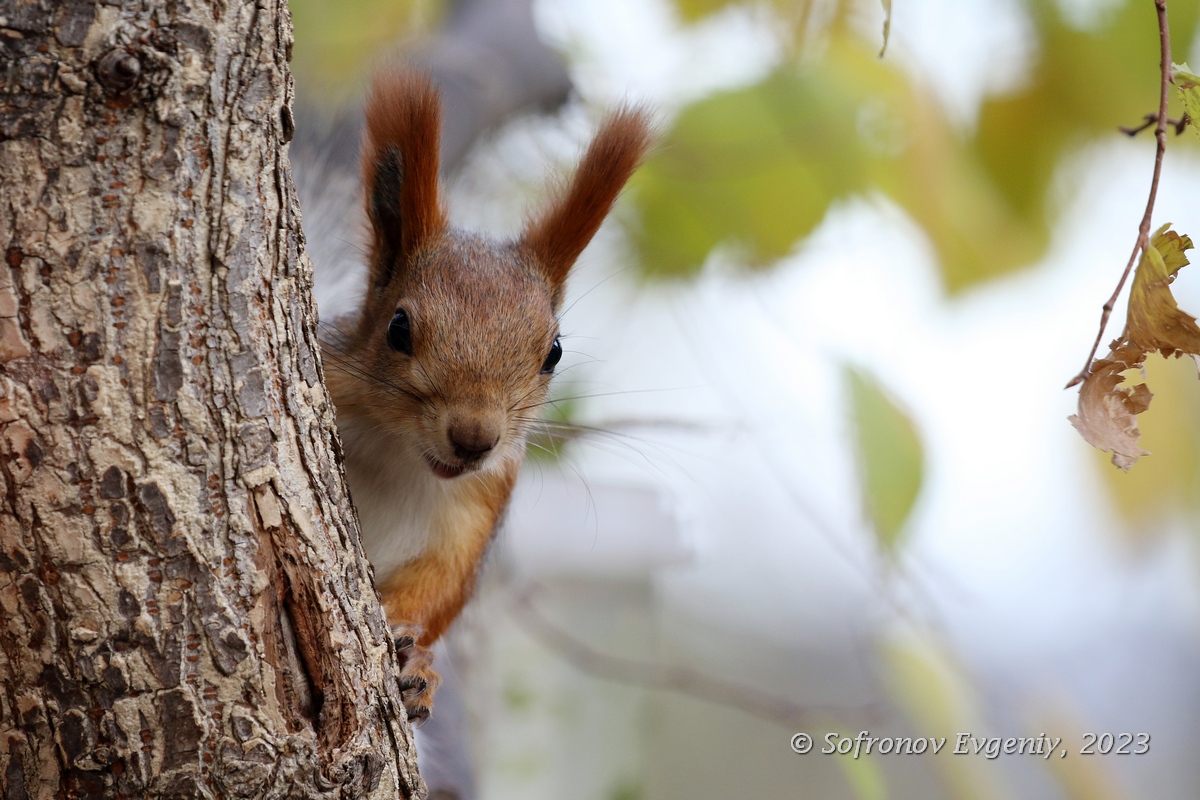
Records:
x=930, y=685
x=1155, y=322
x=865, y=777
x=1107, y=410
x=1188, y=85
x=694, y=10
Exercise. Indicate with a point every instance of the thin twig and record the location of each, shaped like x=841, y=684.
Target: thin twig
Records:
x=1180, y=125
x=1160, y=136
x=678, y=679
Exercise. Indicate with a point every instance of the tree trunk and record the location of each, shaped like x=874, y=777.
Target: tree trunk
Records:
x=185, y=610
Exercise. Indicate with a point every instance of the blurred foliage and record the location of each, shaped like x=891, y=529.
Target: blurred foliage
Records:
x=518, y=697
x=1086, y=779
x=1085, y=83
x=695, y=10
x=756, y=169
x=547, y=441
x=1077, y=778
x=890, y=457
x=865, y=777
x=931, y=687
x=627, y=790
x=337, y=41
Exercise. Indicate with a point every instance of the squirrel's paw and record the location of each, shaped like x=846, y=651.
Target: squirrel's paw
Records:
x=418, y=681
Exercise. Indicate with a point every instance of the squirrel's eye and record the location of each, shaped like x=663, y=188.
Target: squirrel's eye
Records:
x=399, y=336
x=552, y=358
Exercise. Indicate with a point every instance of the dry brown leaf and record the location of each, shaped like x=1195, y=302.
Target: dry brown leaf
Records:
x=1155, y=321
x=1108, y=411
x=1107, y=416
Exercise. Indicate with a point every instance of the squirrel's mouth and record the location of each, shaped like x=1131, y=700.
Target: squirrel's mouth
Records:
x=442, y=469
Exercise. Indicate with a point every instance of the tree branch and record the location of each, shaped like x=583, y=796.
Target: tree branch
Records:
x=1180, y=125
x=1160, y=136
x=678, y=679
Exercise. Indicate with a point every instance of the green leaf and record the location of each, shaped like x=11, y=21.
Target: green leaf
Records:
x=547, y=442
x=931, y=686
x=755, y=170
x=864, y=776
x=863, y=772
x=694, y=10
x=1188, y=85
x=890, y=455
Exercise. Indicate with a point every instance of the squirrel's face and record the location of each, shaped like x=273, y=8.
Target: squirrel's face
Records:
x=455, y=355
x=458, y=337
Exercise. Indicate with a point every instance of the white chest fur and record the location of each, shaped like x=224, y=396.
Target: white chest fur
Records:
x=396, y=494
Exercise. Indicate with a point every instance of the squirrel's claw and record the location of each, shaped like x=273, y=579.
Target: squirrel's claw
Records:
x=418, y=682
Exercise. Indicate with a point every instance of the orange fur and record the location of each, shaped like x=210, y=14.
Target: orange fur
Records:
x=432, y=590
x=563, y=230
x=404, y=118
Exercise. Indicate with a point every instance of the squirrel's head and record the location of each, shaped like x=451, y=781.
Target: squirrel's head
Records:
x=457, y=338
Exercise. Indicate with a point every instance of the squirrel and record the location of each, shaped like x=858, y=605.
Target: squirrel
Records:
x=439, y=375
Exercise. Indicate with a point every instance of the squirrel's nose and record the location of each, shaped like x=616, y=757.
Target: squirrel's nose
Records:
x=473, y=439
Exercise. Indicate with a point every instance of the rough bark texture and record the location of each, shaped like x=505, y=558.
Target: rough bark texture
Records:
x=184, y=607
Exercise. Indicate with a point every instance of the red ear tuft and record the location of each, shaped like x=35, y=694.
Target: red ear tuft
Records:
x=400, y=166
x=560, y=233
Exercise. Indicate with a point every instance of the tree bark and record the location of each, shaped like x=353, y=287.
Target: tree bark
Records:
x=185, y=610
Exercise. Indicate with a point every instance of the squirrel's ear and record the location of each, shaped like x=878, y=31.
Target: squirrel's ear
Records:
x=558, y=235
x=400, y=168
